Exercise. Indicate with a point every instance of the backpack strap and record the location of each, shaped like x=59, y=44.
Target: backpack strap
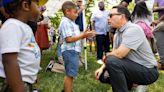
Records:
x=147, y=30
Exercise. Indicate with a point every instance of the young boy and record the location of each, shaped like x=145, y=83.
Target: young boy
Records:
x=20, y=54
x=71, y=45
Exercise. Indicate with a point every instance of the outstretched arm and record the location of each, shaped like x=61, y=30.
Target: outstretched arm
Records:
x=121, y=52
x=84, y=34
x=154, y=23
x=161, y=18
x=157, y=9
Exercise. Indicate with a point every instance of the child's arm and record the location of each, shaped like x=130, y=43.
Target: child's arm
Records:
x=81, y=36
x=12, y=71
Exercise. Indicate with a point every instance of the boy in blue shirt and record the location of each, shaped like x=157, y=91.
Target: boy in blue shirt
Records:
x=71, y=45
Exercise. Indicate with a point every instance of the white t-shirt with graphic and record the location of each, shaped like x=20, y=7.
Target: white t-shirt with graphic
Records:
x=16, y=36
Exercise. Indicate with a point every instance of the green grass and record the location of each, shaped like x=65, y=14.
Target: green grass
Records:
x=85, y=82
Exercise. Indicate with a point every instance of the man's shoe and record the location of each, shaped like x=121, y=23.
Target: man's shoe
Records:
x=100, y=62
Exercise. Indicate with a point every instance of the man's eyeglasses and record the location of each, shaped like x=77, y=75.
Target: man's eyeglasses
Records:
x=110, y=15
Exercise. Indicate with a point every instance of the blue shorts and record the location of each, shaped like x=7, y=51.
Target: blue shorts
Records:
x=71, y=62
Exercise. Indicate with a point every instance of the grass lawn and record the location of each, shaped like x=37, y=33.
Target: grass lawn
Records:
x=85, y=82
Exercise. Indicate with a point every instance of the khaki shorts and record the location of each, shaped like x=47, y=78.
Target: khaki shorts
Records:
x=4, y=87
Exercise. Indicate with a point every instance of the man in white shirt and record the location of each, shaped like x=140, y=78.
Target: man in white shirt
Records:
x=100, y=23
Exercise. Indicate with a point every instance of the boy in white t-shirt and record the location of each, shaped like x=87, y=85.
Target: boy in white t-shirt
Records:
x=20, y=54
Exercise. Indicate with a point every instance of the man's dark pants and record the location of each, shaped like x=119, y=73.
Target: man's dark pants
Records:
x=102, y=42
x=123, y=73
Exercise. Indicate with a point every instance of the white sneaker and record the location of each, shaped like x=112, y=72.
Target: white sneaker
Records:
x=100, y=62
x=140, y=88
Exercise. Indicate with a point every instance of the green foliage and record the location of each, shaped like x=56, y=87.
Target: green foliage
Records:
x=56, y=19
x=88, y=12
x=85, y=82
x=155, y=16
x=131, y=6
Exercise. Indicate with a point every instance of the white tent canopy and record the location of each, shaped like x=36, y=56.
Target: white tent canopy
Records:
x=53, y=6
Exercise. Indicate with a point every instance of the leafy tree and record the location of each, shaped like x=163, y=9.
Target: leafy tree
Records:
x=89, y=4
x=56, y=19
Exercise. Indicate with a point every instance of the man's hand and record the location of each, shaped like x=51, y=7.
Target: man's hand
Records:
x=154, y=23
x=82, y=7
x=98, y=72
x=105, y=57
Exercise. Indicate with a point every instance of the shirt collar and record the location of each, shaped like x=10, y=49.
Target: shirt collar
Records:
x=124, y=27
x=65, y=18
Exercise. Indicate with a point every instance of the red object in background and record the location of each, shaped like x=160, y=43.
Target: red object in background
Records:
x=41, y=36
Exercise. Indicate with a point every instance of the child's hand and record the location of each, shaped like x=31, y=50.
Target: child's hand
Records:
x=88, y=34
